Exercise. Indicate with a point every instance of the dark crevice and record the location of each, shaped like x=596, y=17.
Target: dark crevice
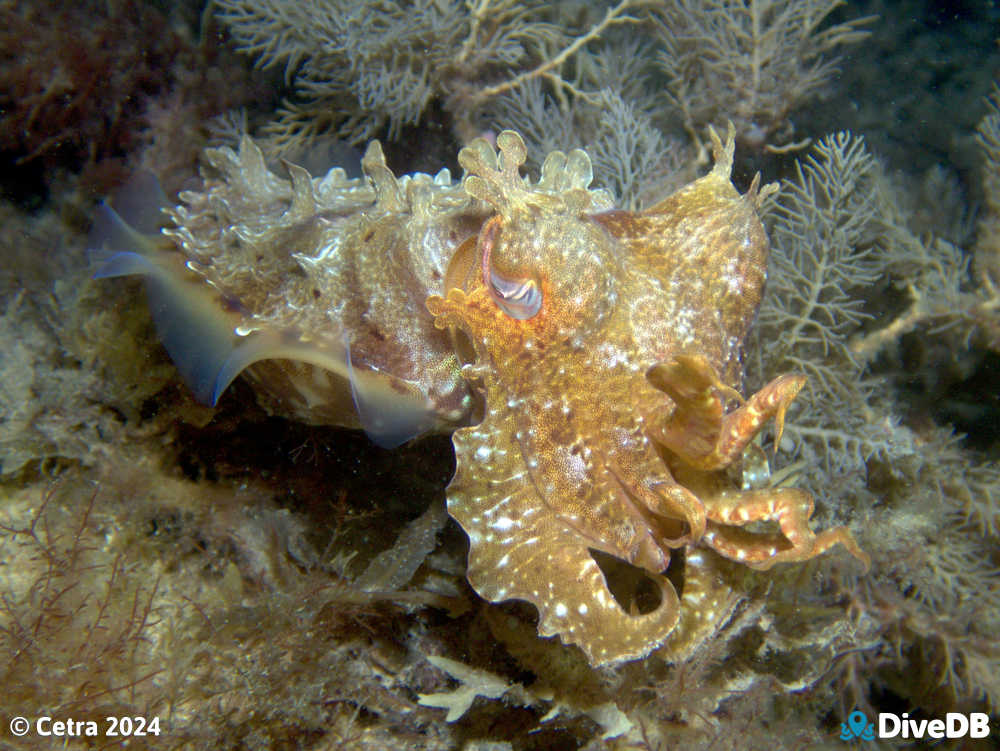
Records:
x=633, y=588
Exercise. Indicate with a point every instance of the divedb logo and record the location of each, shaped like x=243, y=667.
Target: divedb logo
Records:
x=890, y=725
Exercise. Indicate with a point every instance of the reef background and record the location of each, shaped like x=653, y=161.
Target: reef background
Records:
x=262, y=584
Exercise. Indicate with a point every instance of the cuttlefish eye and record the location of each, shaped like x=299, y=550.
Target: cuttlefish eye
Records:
x=519, y=298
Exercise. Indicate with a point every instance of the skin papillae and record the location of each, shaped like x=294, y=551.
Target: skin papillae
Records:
x=586, y=358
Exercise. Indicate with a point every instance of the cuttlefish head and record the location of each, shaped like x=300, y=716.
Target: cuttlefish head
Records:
x=541, y=253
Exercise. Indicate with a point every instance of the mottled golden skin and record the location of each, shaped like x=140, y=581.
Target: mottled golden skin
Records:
x=605, y=425
x=601, y=349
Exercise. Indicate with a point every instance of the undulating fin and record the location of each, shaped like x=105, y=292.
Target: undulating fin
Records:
x=391, y=410
x=196, y=329
x=111, y=234
x=137, y=208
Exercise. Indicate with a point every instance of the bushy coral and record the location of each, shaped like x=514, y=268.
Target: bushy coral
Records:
x=362, y=67
x=988, y=231
x=931, y=507
x=374, y=67
x=753, y=62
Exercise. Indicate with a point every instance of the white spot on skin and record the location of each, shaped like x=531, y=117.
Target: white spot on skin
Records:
x=503, y=523
x=483, y=453
x=561, y=610
x=610, y=356
x=582, y=609
x=573, y=465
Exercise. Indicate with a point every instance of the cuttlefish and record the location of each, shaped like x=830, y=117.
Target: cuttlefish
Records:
x=586, y=360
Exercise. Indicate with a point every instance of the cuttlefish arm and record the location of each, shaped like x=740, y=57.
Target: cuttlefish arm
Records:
x=199, y=327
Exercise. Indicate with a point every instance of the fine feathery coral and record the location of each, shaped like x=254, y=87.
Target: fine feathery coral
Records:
x=838, y=233
x=988, y=232
x=823, y=229
x=362, y=66
x=753, y=62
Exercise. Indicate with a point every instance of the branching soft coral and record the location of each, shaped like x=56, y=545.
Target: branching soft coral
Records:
x=753, y=62
x=825, y=231
x=838, y=231
x=988, y=232
x=840, y=237
x=360, y=67
x=824, y=222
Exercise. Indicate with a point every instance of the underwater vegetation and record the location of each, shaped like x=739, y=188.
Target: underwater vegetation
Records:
x=259, y=575
x=85, y=86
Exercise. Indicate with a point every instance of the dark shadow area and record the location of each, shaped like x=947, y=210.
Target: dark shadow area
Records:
x=632, y=587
